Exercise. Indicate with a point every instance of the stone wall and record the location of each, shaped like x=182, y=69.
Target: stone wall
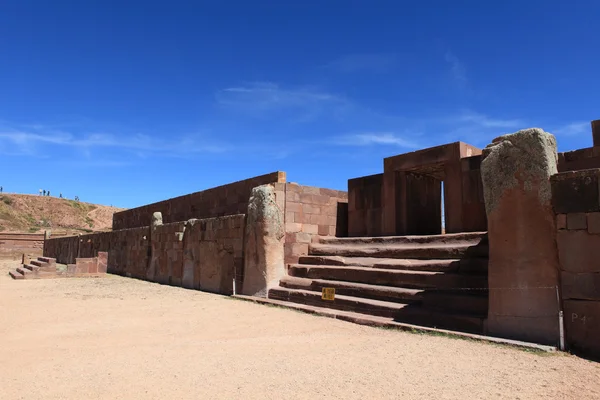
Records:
x=311, y=211
x=579, y=159
x=11, y=243
x=576, y=202
x=223, y=200
x=203, y=254
x=365, y=206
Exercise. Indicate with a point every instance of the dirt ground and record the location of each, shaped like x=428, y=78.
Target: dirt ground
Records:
x=120, y=338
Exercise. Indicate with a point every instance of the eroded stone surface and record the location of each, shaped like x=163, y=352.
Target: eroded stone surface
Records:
x=523, y=264
x=263, y=252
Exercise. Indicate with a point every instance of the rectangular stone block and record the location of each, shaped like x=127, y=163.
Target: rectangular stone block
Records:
x=576, y=191
x=582, y=326
x=593, y=223
x=576, y=221
x=583, y=286
x=293, y=227
x=578, y=251
x=313, y=229
x=561, y=221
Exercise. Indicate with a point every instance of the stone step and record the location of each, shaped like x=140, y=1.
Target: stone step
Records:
x=38, y=263
x=407, y=313
x=27, y=269
x=467, y=265
x=470, y=303
x=401, y=251
x=16, y=275
x=389, y=277
x=471, y=238
x=32, y=268
x=48, y=260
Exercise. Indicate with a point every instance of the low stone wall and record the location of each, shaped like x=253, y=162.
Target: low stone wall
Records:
x=576, y=202
x=11, y=243
x=202, y=254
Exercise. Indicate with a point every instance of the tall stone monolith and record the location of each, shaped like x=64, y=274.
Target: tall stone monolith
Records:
x=157, y=220
x=263, y=247
x=523, y=261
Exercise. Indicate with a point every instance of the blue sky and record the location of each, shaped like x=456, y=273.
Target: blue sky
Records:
x=126, y=102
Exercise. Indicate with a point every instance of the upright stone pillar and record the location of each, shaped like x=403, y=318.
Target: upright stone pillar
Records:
x=152, y=264
x=523, y=260
x=263, y=249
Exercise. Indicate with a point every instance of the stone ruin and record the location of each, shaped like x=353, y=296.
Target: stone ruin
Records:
x=513, y=255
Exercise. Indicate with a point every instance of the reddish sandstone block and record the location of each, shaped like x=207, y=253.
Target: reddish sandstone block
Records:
x=299, y=217
x=293, y=206
x=576, y=221
x=593, y=223
x=289, y=216
x=323, y=230
x=311, y=209
x=310, y=228
x=582, y=326
x=581, y=286
x=293, y=227
x=561, y=221
x=303, y=237
x=578, y=251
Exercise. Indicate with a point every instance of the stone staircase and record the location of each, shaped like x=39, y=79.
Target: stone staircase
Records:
x=43, y=267
x=436, y=281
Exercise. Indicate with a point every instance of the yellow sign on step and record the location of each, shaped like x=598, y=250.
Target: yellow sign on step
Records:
x=328, y=293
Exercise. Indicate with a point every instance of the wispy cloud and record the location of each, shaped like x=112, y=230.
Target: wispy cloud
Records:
x=374, y=62
x=262, y=98
x=457, y=69
x=574, y=129
x=32, y=139
x=470, y=117
x=375, y=138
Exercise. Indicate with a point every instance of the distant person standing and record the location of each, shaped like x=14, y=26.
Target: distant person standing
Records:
x=44, y=192
x=48, y=193
x=60, y=195
x=1, y=189
x=40, y=192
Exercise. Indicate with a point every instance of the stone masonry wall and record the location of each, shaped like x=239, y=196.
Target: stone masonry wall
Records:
x=202, y=254
x=576, y=202
x=223, y=200
x=365, y=206
x=311, y=211
x=21, y=242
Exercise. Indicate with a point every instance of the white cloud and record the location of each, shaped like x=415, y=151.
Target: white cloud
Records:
x=574, y=128
x=375, y=138
x=19, y=141
x=261, y=98
x=486, y=121
x=457, y=68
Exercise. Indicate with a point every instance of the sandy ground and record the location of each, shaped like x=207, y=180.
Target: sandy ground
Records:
x=120, y=338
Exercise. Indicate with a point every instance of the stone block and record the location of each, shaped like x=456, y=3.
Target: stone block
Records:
x=293, y=227
x=293, y=206
x=576, y=191
x=578, y=251
x=289, y=217
x=313, y=229
x=522, y=234
x=561, y=221
x=582, y=286
x=593, y=223
x=582, y=326
x=264, y=256
x=576, y=221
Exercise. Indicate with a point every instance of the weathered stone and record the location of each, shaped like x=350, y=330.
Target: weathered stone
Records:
x=578, y=251
x=523, y=263
x=582, y=326
x=561, y=221
x=263, y=250
x=593, y=223
x=576, y=221
x=576, y=191
x=157, y=219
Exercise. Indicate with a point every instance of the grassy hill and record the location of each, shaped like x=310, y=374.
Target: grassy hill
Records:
x=30, y=213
